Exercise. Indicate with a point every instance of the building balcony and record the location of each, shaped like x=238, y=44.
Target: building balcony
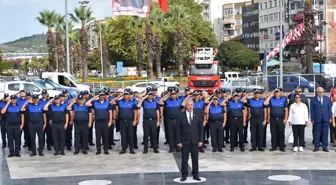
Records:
x=228, y=20
x=229, y=26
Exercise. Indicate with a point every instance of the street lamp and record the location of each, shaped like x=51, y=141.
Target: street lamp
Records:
x=281, y=49
x=67, y=36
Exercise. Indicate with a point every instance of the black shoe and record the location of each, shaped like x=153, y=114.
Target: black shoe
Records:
x=156, y=150
x=272, y=149
x=110, y=148
x=316, y=149
x=76, y=152
x=166, y=143
x=113, y=143
x=227, y=141
x=132, y=151
x=204, y=146
x=325, y=150
x=91, y=144
x=201, y=150
x=261, y=149
x=56, y=153
x=183, y=179
x=17, y=155
x=49, y=148
x=282, y=150
x=196, y=177
x=220, y=150
x=143, y=142
x=69, y=148
x=10, y=155
x=284, y=146
x=231, y=149
x=136, y=147
x=106, y=152
x=98, y=152
x=253, y=149
x=178, y=150
x=33, y=154
x=214, y=150
x=122, y=151
x=85, y=152
x=25, y=145
x=145, y=151
x=206, y=142
x=41, y=154
x=246, y=142
x=171, y=150
x=242, y=149
x=224, y=146
x=151, y=146
x=3, y=146
x=62, y=153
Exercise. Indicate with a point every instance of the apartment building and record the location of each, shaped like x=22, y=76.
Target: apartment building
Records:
x=250, y=35
x=331, y=30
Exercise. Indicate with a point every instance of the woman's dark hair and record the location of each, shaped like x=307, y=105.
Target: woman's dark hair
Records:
x=297, y=95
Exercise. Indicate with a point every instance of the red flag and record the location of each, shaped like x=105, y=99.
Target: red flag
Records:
x=163, y=5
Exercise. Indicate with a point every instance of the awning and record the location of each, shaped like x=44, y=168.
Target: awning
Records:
x=272, y=62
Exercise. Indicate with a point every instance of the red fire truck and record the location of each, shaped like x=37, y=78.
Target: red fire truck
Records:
x=204, y=71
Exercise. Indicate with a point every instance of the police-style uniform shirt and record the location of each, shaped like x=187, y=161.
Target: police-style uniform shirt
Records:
x=277, y=106
x=216, y=113
x=101, y=110
x=256, y=107
x=35, y=112
x=220, y=100
x=235, y=109
x=81, y=113
x=21, y=101
x=126, y=109
x=2, y=105
x=13, y=114
x=58, y=113
x=66, y=101
x=173, y=108
x=149, y=109
x=182, y=97
x=199, y=107
x=44, y=102
x=157, y=99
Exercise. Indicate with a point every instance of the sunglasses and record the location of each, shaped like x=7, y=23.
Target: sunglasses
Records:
x=299, y=91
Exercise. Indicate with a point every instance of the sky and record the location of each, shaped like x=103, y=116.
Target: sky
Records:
x=18, y=17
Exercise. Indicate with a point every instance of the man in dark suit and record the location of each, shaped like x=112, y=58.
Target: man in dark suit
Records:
x=320, y=112
x=189, y=137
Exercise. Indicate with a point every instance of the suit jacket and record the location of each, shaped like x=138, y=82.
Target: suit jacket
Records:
x=189, y=133
x=320, y=112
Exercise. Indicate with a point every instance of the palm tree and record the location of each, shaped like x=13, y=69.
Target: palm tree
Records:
x=47, y=18
x=59, y=45
x=138, y=24
x=309, y=36
x=75, y=52
x=150, y=49
x=178, y=18
x=83, y=15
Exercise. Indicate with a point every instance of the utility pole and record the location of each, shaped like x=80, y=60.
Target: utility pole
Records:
x=101, y=49
x=67, y=37
x=281, y=49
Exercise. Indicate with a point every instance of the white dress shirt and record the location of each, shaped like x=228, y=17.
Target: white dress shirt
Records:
x=298, y=114
x=333, y=109
x=188, y=116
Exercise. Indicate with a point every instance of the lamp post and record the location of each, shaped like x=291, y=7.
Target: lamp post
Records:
x=281, y=49
x=101, y=49
x=67, y=37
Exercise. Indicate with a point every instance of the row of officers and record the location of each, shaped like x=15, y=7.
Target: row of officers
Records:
x=225, y=118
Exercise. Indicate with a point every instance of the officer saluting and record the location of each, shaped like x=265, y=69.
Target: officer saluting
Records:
x=216, y=122
x=37, y=123
x=83, y=121
x=151, y=120
x=3, y=103
x=15, y=123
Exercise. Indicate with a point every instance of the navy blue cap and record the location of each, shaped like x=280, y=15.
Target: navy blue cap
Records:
x=61, y=95
x=64, y=91
x=174, y=90
x=149, y=92
x=170, y=89
x=22, y=90
x=149, y=88
x=57, y=97
x=126, y=91
x=277, y=90
x=13, y=97
x=217, y=91
x=6, y=95
x=223, y=90
x=238, y=90
x=28, y=93
x=80, y=96
x=235, y=94
x=107, y=92
x=44, y=91
x=186, y=89
x=101, y=93
x=35, y=96
x=154, y=88
x=243, y=90
x=280, y=88
x=196, y=93
x=86, y=92
x=257, y=91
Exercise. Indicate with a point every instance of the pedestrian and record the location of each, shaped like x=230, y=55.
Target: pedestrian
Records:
x=278, y=115
x=216, y=121
x=189, y=137
x=298, y=119
x=47, y=131
x=3, y=103
x=117, y=124
x=151, y=120
x=82, y=118
x=15, y=123
x=103, y=120
x=320, y=113
x=90, y=137
x=59, y=123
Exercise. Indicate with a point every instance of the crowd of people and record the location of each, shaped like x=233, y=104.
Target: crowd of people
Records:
x=225, y=119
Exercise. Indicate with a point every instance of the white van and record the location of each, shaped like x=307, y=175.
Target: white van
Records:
x=65, y=80
x=232, y=75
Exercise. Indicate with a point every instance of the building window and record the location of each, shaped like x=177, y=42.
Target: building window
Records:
x=270, y=17
x=271, y=4
x=265, y=18
x=228, y=12
x=260, y=6
x=275, y=17
x=270, y=31
x=237, y=11
x=261, y=19
x=265, y=5
x=238, y=21
x=292, y=5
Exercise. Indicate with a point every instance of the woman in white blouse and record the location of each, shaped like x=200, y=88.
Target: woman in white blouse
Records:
x=298, y=118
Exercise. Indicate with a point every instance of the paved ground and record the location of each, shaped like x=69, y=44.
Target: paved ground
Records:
x=238, y=168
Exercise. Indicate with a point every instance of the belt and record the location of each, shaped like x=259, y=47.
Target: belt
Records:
x=217, y=121
x=277, y=118
x=151, y=119
x=172, y=119
x=236, y=117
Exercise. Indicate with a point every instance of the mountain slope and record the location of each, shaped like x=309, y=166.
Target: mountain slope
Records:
x=34, y=43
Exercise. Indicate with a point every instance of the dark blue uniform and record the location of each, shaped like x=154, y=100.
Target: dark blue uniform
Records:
x=58, y=114
x=36, y=124
x=68, y=131
x=3, y=125
x=173, y=110
x=157, y=99
x=150, y=120
x=257, y=108
x=126, y=118
x=111, y=129
x=135, y=128
x=13, y=120
x=27, y=139
x=47, y=130
x=101, y=112
x=277, y=112
x=216, y=119
x=235, y=119
x=81, y=121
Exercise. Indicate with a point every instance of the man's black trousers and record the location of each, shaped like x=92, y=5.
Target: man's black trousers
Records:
x=257, y=132
x=227, y=131
x=68, y=136
x=135, y=135
x=150, y=130
x=26, y=131
x=36, y=129
x=245, y=131
x=111, y=135
x=127, y=133
x=90, y=140
x=3, y=132
x=217, y=134
x=186, y=150
x=102, y=131
x=236, y=126
x=277, y=132
x=81, y=135
x=171, y=126
x=14, y=135
x=58, y=133
x=48, y=132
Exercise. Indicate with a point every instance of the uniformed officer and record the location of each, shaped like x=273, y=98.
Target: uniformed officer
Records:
x=103, y=120
x=37, y=123
x=47, y=131
x=86, y=95
x=157, y=99
x=245, y=131
x=237, y=119
x=135, y=127
x=126, y=113
x=23, y=97
x=216, y=121
x=65, y=99
x=3, y=103
x=110, y=97
x=278, y=114
x=173, y=106
x=59, y=123
x=151, y=120
x=187, y=92
x=83, y=121
x=117, y=136
x=15, y=123
x=258, y=120
x=66, y=95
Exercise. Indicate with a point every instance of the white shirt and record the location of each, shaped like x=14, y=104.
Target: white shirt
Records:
x=320, y=99
x=298, y=114
x=333, y=109
x=188, y=116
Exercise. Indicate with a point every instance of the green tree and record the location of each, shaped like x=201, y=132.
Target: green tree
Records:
x=59, y=45
x=94, y=60
x=236, y=55
x=138, y=25
x=4, y=65
x=309, y=36
x=83, y=15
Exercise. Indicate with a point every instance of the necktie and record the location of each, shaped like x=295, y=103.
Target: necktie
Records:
x=190, y=118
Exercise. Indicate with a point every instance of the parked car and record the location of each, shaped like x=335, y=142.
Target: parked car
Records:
x=290, y=82
x=50, y=85
x=143, y=85
x=242, y=83
x=14, y=87
x=164, y=81
x=65, y=80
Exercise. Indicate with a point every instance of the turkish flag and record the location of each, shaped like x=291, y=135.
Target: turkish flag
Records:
x=332, y=24
x=332, y=93
x=163, y=5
